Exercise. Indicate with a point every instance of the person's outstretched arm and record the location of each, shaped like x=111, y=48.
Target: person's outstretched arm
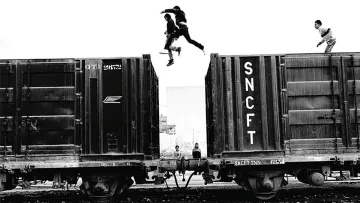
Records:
x=168, y=11
x=322, y=41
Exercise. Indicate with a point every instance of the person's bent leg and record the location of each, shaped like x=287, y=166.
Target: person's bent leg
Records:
x=165, y=50
x=171, y=61
x=170, y=40
x=330, y=46
x=170, y=54
x=191, y=41
x=173, y=48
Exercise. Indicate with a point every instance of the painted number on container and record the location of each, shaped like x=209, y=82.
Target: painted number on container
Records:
x=259, y=162
x=112, y=67
x=277, y=161
x=91, y=66
x=215, y=162
x=247, y=162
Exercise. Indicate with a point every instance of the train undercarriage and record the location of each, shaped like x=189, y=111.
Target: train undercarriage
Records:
x=104, y=180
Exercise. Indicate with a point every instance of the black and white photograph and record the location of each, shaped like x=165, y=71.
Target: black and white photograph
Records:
x=129, y=101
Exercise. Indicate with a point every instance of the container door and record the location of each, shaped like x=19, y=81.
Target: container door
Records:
x=49, y=106
x=351, y=68
x=7, y=107
x=317, y=121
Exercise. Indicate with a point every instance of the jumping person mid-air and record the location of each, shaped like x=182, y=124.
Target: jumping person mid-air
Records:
x=326, y=34
x=170, y=29
x=183, y=28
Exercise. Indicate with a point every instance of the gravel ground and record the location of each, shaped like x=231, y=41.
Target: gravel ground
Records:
x=197, y=192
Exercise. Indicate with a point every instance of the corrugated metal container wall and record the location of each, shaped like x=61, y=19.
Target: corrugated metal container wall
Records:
x=37, y=106
x=62, y=105
x=321, y=106
x=242, y=105
x=122, y=111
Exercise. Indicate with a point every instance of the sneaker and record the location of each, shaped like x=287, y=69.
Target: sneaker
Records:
x=178, y=50
x=204, y=51
x=171, y=61
x=164, y=51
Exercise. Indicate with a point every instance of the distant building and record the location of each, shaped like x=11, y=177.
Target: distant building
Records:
x=165, y=128
x=163, y=124
x=171, y=129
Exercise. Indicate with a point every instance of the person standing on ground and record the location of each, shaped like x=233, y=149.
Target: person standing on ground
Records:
x=170, y=29
x=177, y=155
x=327, y=35
x=196, y=152
x=183, y=28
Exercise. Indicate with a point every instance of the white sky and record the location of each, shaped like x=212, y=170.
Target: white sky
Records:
x=70, y=28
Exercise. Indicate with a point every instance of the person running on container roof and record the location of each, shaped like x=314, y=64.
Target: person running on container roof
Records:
x=183, y=28
x=171, y=29
x=327, y=35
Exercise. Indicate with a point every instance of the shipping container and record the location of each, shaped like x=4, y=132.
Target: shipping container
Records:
x=290, y=104
x=72, y=106
x=242, y=105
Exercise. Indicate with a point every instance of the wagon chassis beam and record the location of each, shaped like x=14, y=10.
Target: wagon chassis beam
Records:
x=165, y=167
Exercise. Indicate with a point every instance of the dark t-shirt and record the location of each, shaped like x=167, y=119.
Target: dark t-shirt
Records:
x=171, y=27
x=196, y=153
x=179, y=17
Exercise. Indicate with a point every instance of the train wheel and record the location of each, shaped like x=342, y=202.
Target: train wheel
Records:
x=264, y=196
x=7, y=182
x=263, y=184
x=103, y=188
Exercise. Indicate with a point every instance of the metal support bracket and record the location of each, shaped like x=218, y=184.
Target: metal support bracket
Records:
x=27, y=168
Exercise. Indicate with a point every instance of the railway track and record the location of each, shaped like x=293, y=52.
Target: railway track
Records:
x=331, y=191
x=226, y=194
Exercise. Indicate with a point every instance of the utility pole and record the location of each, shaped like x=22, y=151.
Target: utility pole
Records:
x=193, y=136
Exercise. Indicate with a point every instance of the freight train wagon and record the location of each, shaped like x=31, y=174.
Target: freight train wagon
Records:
x=271, y=115
x=267, y=116
x=63, y=118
